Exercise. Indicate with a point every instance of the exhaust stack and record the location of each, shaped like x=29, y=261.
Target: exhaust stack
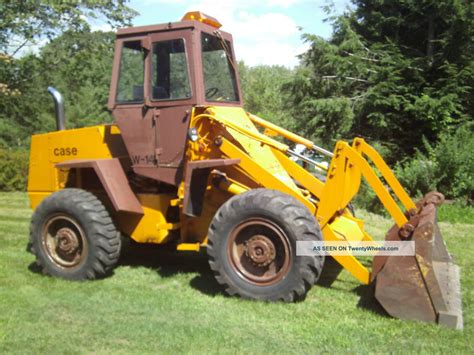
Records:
x=59, y=108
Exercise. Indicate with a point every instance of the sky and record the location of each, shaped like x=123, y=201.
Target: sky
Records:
x=264, y=31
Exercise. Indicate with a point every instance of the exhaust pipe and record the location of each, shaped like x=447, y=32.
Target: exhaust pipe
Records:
x=59, y=108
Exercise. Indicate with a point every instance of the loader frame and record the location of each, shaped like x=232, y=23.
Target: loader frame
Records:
x=348, y=164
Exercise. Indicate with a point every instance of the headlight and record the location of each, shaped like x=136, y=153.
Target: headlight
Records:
x=193, y=134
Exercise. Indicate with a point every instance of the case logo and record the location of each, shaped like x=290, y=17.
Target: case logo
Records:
x=67, y=151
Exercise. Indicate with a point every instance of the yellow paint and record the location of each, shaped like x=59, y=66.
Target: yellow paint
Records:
x=345, y=170
x=152, y=227
x=244, y=131
x=175, y=202
x=376, y=184
x=51, y=148
x=194, y=229
x=281, y=131
x=367, y=237
x=344, y=174
x=349, y=262
x=360, y=223
x=189, y=247
x=269, y=132
x=265, y=178
x=347, y=229
x=168, y=226
x=306, y=179
x=37, y=197
x=93, y=143
x=232, y=187
x=334, y=197
x=386, y=172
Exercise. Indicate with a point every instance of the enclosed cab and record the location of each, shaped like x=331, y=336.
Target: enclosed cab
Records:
x=160, y=74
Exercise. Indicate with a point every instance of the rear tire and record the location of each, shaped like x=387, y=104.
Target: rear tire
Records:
x=252, y=246
x=73, y=236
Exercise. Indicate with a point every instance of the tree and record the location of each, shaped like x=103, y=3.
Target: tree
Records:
x=393, y=71
x=26, y=21
x=75, y=60
x=263, y=92
x=79, y=65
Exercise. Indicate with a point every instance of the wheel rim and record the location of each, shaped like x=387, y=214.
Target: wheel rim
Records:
x=259, y=251
x=64, y=241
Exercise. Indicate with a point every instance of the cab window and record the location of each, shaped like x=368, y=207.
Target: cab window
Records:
x=131, y=74
x=218, y=68
x=170, y=77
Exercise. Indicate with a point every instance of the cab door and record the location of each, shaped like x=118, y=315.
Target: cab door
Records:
x=172, y=98
x=136, y=121
x=151, y=100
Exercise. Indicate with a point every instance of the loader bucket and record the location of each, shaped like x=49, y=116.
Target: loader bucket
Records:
x=424, y=287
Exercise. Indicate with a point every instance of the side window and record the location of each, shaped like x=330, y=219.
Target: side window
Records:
x=170, y=78
x=131, y=76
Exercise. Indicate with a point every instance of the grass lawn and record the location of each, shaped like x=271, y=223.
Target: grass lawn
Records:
x=167, y=302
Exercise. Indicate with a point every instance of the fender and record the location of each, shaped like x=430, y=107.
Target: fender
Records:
x=195, y=182
x=113, y=179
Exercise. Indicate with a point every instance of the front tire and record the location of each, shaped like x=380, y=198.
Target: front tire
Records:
x=73, y=236
x=252, y=246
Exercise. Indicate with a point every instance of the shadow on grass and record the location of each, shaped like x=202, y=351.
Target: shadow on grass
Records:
x=367, y=300
x=366, y=293
x=331, y=271
x=35, y=268
x=168, y=262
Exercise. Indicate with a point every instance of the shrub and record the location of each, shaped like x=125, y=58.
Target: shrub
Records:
x=447, y=167
x=13, y=169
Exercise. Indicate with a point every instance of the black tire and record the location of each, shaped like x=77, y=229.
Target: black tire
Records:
x=273, y=222
x=73, y=236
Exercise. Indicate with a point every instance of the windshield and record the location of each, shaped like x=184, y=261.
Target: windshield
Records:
x=220, y=82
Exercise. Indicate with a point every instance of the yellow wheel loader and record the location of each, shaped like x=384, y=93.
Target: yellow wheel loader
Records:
x=185, y=165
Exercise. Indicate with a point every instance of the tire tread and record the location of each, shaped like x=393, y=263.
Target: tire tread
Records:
x=102, y=235
x=294, y=215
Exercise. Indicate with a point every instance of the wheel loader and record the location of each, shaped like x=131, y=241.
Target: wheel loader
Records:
x=185, y=165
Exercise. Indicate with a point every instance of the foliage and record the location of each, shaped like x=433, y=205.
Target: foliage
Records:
x=13, y=169
x=447, y=166
x=391, y=72
x=28, y=21
x=79, y=65
x=76, y=61
x=263, y=92
x=131, y=76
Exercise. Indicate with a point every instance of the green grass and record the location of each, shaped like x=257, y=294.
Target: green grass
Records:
x=161, y=302
x=456, y=213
